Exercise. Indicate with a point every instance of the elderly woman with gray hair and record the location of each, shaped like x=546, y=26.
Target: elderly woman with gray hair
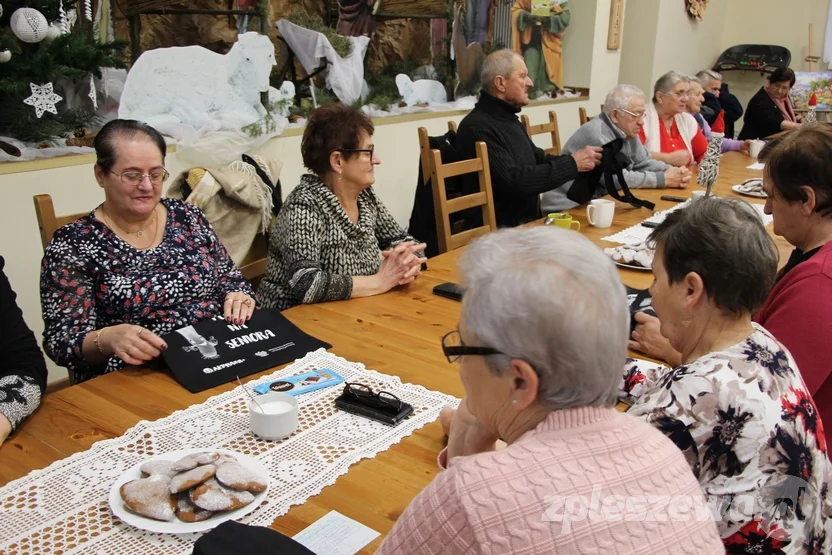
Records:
x=540, y=345
x=670, y=133
x=735, y=403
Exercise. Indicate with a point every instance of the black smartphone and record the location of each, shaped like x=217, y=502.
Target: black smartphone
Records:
x=385, y=414
x=650, y=224
x=674, y=198
x=450, y=290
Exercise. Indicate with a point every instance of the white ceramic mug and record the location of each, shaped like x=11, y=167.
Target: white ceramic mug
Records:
x=273, y=416
x=697, y=194
x=600, y=212
x=755, y=147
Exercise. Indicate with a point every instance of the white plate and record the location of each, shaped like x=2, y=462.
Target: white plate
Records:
x=177, y=526
x=737, y=189
x=632, y=267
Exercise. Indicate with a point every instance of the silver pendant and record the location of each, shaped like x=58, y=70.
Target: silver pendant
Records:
x=140, y=234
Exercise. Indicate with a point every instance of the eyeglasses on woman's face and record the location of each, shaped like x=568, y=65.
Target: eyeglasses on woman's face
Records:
x=157, y=176
x=453, y=347
x=371, y=150
x=780, y=87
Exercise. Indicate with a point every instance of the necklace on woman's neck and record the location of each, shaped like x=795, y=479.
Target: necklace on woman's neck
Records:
x=138, y=233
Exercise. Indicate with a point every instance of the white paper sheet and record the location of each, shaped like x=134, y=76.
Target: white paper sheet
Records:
x=335, y=534
x=756, y=166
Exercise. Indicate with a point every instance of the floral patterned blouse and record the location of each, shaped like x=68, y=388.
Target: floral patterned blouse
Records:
x=753, y=437
x=91, y=279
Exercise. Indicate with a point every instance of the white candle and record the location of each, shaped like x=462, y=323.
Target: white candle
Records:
x=275, y=407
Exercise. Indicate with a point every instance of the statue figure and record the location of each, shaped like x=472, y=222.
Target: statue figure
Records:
x=538, y=27
x=355, y=18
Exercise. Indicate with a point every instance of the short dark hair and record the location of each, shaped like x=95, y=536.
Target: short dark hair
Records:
x=782, y=74
x=802, y=157
x=105, y=141
x=726, y=244
x=332, y=127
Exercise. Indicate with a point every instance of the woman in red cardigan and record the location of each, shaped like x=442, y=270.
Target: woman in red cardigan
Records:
x=798, y=311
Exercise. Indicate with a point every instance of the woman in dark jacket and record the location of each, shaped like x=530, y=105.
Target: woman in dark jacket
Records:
x=770, y=110
x=23, y=370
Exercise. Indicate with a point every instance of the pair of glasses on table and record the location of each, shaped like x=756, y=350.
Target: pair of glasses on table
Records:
x=365, y=394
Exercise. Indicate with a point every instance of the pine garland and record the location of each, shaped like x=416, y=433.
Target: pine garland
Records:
x=70, y=58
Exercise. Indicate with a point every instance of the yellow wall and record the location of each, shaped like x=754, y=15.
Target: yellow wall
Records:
x=772, y=22
x=73, y=188
x=577, y=61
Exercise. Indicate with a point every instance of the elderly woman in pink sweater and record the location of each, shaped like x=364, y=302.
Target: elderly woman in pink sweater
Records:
x=541, y=343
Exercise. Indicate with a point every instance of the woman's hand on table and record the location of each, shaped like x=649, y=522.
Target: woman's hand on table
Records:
x=677, y=178
x=237, y=307
x=133, y=344
x=401, y=264
x=745, y=146
x=5, y=428
x=679, y=158
x=647, y=338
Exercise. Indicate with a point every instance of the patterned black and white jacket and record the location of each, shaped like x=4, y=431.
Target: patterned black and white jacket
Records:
x=23, y=370
x=315, y=250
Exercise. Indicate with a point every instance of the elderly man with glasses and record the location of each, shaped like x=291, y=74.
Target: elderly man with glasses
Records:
x=622, y=118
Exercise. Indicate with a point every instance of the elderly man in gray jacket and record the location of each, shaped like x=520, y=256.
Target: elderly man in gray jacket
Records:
x=622, y=118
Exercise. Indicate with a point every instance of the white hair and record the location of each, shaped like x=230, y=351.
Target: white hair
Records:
x=666, y=82
x=497, y=64
x=550, y=297
x=620, y=97
x=706, y=75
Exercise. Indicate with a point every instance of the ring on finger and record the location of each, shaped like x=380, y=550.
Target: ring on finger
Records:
x=140, y=333
x=247, y=302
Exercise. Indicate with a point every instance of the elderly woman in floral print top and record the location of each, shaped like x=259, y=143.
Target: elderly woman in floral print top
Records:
x=136, y=267
x=736, y=406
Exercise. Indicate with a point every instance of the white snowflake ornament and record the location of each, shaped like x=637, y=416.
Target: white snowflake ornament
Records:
x=43, y=99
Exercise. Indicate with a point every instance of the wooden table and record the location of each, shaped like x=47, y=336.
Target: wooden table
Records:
x=397, y=333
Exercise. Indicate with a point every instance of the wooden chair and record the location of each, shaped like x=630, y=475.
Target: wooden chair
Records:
x=444, y=207
x=585, y=118
x=253, y=267
x=424, y=150
x=48, y=222
x=551, y=127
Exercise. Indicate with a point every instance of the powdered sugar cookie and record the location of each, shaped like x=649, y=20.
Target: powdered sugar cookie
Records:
x=149, y=497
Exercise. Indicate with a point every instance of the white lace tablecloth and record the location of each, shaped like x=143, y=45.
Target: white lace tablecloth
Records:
x=63, y=508
x=638, y=234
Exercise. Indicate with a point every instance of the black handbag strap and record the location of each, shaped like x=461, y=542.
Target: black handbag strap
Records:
x=614, y=161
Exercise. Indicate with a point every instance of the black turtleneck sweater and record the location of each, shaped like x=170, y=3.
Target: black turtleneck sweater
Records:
x=520, y=171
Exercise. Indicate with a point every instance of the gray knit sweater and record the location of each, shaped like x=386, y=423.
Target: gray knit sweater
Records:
x=314, y=248
x=643, y=172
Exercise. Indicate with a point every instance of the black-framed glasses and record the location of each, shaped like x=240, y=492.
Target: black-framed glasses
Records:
x=366, y=394
x=453, y=347
x=130, y=177
x=370, y=150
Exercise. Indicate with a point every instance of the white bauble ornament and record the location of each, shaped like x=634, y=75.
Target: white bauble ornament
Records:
x=5, y=56
x=29, y=25
x=53, y=32
x=1, y=10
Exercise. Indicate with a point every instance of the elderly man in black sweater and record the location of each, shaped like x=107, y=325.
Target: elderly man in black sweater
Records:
x=520, y=171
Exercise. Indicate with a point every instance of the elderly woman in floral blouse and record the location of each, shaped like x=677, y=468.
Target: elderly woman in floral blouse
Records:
x=735, y=404
x=134, y=268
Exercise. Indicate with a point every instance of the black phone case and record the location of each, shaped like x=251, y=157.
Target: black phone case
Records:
x=449, y=290
x=349, y=404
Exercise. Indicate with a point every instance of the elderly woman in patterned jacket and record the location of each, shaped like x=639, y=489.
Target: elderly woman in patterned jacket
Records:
x=735, y=403
x=136, y=267
x=333, y=238
x=23, y=371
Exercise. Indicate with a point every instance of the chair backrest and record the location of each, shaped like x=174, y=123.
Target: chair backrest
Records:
x=582, y=116
x=424, y=149
x=444, y=207
x=253, y=267
x=551, y=127
x=48, y=222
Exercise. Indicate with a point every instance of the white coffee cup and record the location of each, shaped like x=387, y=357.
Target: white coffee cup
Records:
x=600, y=212
x=755, y=147
x=273, y=416
x=697, y=194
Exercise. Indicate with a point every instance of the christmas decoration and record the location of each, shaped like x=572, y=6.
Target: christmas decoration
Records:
x=93, y=93
x=5, y=56
x=43, y=99
x=696, y=8
x=1, y=10
x=53, y=32
x=29, y=25
x=68, y=62
x=88, y=9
